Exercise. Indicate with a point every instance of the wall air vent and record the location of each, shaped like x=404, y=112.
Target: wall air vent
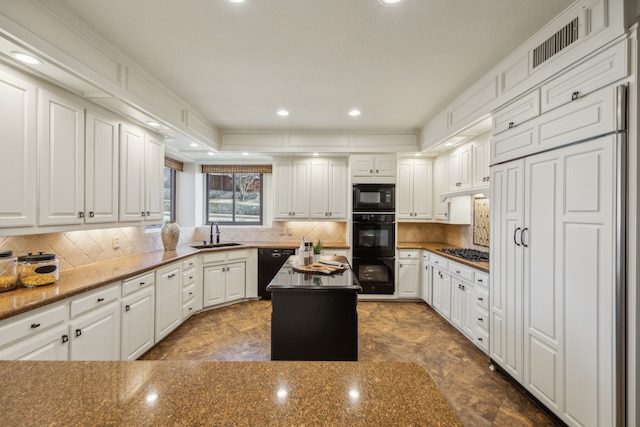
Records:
x=554, y=44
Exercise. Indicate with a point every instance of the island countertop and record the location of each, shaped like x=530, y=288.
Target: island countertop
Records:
x=221, y=393
x=290, y=276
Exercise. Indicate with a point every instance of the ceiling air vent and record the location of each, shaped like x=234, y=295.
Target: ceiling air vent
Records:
x=554, y=44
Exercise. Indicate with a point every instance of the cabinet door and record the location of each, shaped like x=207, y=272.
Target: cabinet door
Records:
x=338, y=189
x=61, y=167
x=441, y=185
x=454, y=170
x=96, y=335
x=457, y=302
x=101, y=167
x=427, y=293
x=480, y=164
x=50, y=345
x=319, y=188
x=441, y=282
x=18, y=160
x=408, y=278
x=507, y=219
x=132, y=180
x=138, y=323
x=168, y=300
x=384, y=165
x=300, y=197
x=235, y=280
x=154, y=178
x=422, y=189
x=214, y=285
x=468, y=311
x=282, y=189
x=404, y=190
x=362, y=165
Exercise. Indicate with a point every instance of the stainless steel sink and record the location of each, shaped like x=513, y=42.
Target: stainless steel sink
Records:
x=217, y=245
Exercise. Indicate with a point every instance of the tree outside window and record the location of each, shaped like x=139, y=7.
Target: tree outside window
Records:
x=169, y=194
x=234, y=198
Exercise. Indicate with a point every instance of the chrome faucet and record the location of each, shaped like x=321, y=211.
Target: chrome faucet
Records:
x=217, y=233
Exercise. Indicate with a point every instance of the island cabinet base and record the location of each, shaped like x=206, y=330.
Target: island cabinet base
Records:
x=314, y=325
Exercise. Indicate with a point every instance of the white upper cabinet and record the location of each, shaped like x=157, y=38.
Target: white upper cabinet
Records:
x=379, y=168
x=101, y=168
x=292, y=188
x=480, y=169
x=18, y=163
x=415, y=189
x=61, y=152
x=460, y=168
x=440, y=186
x=141, y=172
x=517, y=112
x=328, y=189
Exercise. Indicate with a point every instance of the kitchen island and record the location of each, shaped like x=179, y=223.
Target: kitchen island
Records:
x=314, y=314
x=221, y=393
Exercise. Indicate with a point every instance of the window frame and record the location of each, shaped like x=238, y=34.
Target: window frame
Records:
x=234, y=223
x=173, y=191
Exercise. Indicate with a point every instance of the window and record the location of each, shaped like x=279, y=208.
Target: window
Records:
x=169, y=194
x=234, y=198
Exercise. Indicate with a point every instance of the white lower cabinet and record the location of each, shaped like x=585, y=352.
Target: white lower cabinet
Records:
x=441, y=282
x=425, y=278
x=50, y=345
x=224, y=276
x=409, y=274
x=189, y=289
x=138, y=316
x=168, y=299
x=95, y=325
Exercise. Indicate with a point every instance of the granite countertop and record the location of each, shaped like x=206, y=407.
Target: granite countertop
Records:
x=291, y=276
x=221, y=393
x=433, y=247
x=82, y=279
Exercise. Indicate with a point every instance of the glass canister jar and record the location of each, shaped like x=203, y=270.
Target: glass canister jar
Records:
x=38, y=270
x=8, y=271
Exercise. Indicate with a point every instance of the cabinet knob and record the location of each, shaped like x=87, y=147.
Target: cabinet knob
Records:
x=78, y=332
x=141, y=213
x=65, y=338
x=458, y=271
x=80, y=214
x=91, y=214
x=377, y=171
x=190, y=277
x=190, y=293
x=511, y=124
x=127, y=307
x=370, y=170
x=575, y=95
x=148, y=213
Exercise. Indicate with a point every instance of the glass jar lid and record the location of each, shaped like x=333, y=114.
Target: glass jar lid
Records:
x=38, y=257
x=6, y=254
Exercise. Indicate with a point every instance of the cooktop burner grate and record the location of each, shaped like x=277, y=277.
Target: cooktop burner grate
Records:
x=468, y=254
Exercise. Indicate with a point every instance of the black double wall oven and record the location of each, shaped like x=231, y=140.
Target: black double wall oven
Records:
x=374, y=237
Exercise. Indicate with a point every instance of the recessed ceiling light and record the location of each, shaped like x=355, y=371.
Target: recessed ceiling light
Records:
x=26, y=58
x=315, y=154
x=245, y=153
x=448, y=144
x=193, y=144
x=354, y=113
x=211, y=153
x=389, y=2
x=153, y=124
x=237, y=2
x=283, y=113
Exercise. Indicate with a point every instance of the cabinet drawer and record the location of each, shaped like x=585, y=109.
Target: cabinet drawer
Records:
x=514, y=143
x=187, y=308
x=425, y=257
x=138, y=282
x=188, y=277
x=461, y=271
x=482, y=318
x=593, y=74
x=482, y=280
x=28, y=324
x=414, y=254
x=98, y=298
x=518, y=112
x=237, y=254
x=482, y=339
x=439, y=261
x=188, y=263
x=214, y=257
x=482, y=298
x=188, y=292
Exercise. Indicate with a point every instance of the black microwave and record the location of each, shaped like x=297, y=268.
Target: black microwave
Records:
x=374, y=197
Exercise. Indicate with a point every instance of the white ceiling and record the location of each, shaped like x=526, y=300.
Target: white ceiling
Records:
x=317, y=58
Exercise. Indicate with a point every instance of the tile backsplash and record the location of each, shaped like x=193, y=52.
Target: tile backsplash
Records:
x=78, y=248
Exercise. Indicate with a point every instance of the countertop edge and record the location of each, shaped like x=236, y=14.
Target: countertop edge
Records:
x=433, y=248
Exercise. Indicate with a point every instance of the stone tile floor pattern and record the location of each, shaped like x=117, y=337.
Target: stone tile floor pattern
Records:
x=388, y=331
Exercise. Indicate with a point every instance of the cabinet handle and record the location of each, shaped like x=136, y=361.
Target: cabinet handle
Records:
x=171, y=276
x=80, y=214
x=522, y=241
x=142, y=283
x=511, y=124
x=141, y=213
x=480, y=299
x=91, y=214
x=65, y=338
x=514, y=236
x=377, y=171
x=481, y=319
x=370, y=170
x=190, y=308
x=463, y=287
x=100, y=299
x=480, y=339
x=458, y=271
x=127, y=307
x=35, y=325
x=575, y=95
x=148, y=213
x=400, y=265
x=190, y=293
x=479, y=280
x=190, y=277
x=78, y=332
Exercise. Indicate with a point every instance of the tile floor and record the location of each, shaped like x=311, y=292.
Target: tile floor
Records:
x=388, y=331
